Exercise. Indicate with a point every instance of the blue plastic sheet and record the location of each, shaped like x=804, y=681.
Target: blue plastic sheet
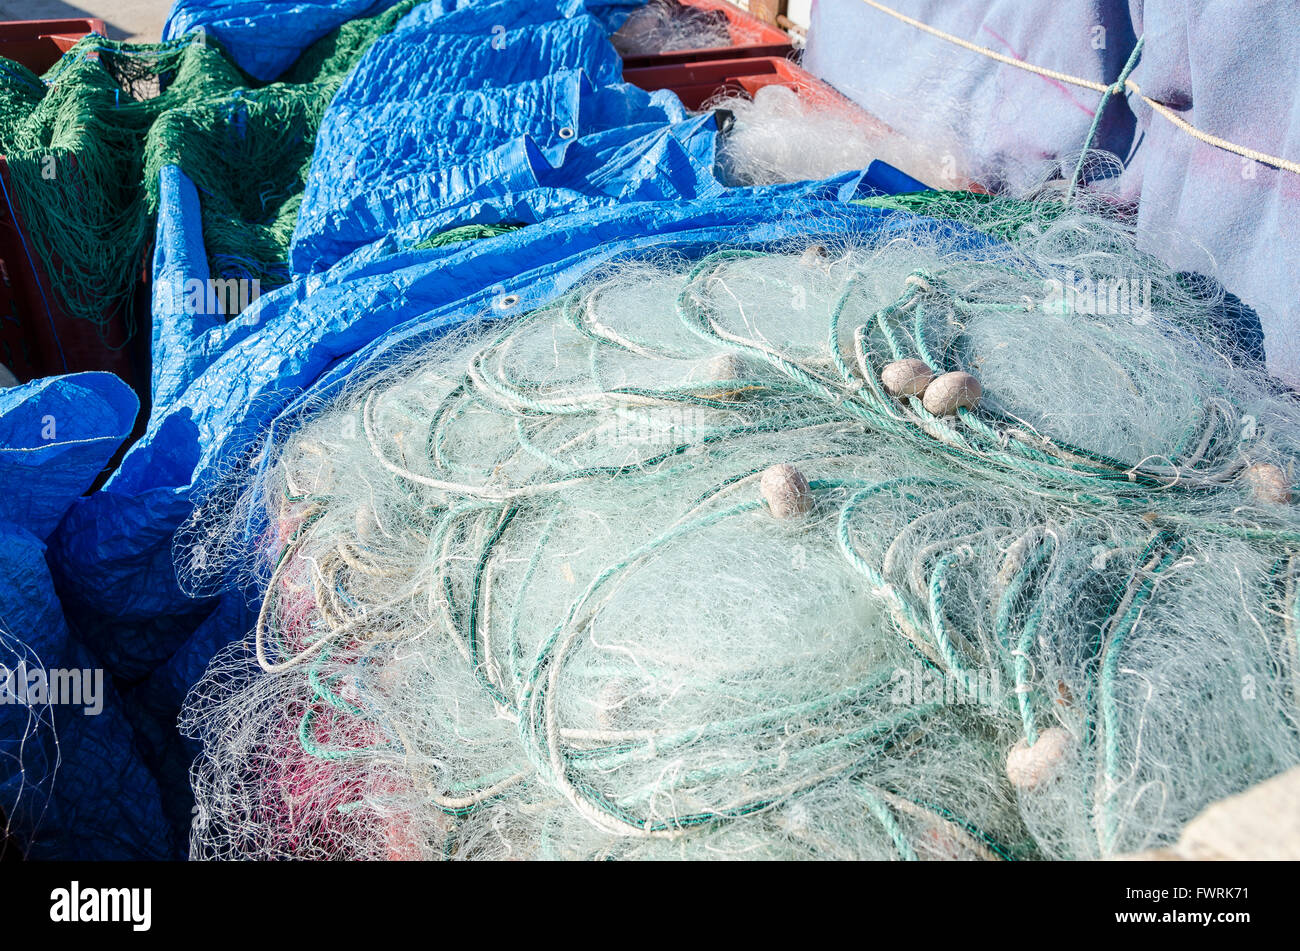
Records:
x=71, y=779
x=265, y=38
x=518, y=122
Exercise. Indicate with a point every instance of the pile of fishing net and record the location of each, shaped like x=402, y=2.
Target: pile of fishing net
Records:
x=904, y=548
x=85, y=144
x=783, y=135
x=665, y=26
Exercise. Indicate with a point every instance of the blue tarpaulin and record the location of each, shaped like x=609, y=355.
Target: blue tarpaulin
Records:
x=72, y=779
x=442, y=127
x=265, y=38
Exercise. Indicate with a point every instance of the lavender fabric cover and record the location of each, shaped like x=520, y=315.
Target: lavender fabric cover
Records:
x=1230, y=68
x=984, y=121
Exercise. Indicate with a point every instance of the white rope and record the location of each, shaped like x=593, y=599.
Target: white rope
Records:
x=1129, y=84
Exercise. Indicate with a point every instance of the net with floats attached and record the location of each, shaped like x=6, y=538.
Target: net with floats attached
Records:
x=867, y=550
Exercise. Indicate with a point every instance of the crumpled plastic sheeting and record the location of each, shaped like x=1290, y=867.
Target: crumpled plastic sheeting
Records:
x=521, y=183
x=518, y=121
x=381, y=142
x=264, y=37
x=1205, y=209
x=983, y=120
x=56, y=434
x=70, y=783
x=506, y=14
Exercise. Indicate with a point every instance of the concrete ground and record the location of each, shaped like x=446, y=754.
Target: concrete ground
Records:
x=137, y=20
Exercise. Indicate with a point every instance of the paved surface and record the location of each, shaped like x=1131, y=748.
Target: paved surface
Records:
x=137, y=20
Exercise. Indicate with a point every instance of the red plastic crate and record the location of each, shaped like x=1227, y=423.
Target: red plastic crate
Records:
x=38, y=44
x=751, y=37
x=37, y=338
x=697, y=83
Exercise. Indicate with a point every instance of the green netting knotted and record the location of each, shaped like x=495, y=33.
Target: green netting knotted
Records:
x=85, y=144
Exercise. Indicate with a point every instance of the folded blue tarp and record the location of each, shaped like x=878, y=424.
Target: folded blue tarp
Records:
x=72, y=781
x=516, y=183
x=264, y=37
x=498, y=112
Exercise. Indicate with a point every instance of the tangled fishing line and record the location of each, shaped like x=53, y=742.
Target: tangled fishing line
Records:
x=868, y=550
x=665, y=26
x=781, y=134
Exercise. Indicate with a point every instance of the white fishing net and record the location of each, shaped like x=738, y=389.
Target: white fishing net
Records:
x=781, y=135
x=665, y=570
x=29, y=744
x=666, y=26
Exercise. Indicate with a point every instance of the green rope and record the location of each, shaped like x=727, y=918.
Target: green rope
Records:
x=1117, y=88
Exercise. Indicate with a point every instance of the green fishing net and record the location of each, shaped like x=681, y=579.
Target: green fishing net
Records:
x=85, y=144
x=464, y=233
